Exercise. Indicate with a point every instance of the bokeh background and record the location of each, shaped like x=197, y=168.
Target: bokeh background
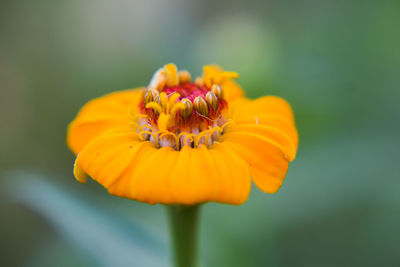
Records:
x=336, y=62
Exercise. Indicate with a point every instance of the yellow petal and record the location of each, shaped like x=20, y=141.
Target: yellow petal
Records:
x=268, y=164
x=101, y=114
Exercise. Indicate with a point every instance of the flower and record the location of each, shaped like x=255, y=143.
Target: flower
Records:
x=182, y=142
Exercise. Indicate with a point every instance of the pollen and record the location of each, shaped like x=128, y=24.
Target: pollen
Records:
x=177, y=112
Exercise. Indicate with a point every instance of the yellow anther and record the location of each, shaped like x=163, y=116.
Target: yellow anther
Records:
x=187, y=110
x=201, y=106
x=212, y=100
x=171, y=74
x=217, y=90
x=149, y=95
x=155, y=106
x=184, y=76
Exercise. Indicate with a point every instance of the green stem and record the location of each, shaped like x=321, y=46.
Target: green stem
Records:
x=184, y=234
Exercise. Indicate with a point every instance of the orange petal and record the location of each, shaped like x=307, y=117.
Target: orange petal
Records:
x=214, y=174
x=106, y=157
x=134, y=169
x=278, y=137
x=100, y=115
x=268, y=163
x=269, y=110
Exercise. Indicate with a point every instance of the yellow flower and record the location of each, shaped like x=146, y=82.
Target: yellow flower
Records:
x=182, y=142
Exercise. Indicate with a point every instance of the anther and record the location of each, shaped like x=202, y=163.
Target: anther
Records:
x=217, y=90
x=212, y=100
x=184, y=76
x=149, y=95
x=201, y=106
x=187, y=111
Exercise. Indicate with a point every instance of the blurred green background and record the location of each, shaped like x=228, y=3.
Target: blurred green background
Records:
x=336, y=62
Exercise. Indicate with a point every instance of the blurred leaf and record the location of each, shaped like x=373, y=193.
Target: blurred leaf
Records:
x=341, y=193
x=106, y=238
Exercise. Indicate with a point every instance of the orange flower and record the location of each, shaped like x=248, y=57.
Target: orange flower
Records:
x=182, y=142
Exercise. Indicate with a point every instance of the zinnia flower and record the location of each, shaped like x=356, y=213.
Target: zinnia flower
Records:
x=182, y=142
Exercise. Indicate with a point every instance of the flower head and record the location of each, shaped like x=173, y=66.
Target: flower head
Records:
x=182, y=142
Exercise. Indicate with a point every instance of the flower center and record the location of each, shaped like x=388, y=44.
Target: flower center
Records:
x=176, y=112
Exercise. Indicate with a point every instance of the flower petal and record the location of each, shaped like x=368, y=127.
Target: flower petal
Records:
x=268, y=163
x=134, y=169
x=278, y=137
x=269, y=110
x=100, y=115
x=213, y=174
x=108, y=156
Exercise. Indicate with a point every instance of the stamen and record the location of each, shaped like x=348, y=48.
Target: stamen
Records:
x=187, y=110
x=201, y=106
x=177, y=111
x=217, y=90
x=212, y=100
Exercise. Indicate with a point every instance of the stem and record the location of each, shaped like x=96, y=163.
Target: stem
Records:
x=184, y=234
